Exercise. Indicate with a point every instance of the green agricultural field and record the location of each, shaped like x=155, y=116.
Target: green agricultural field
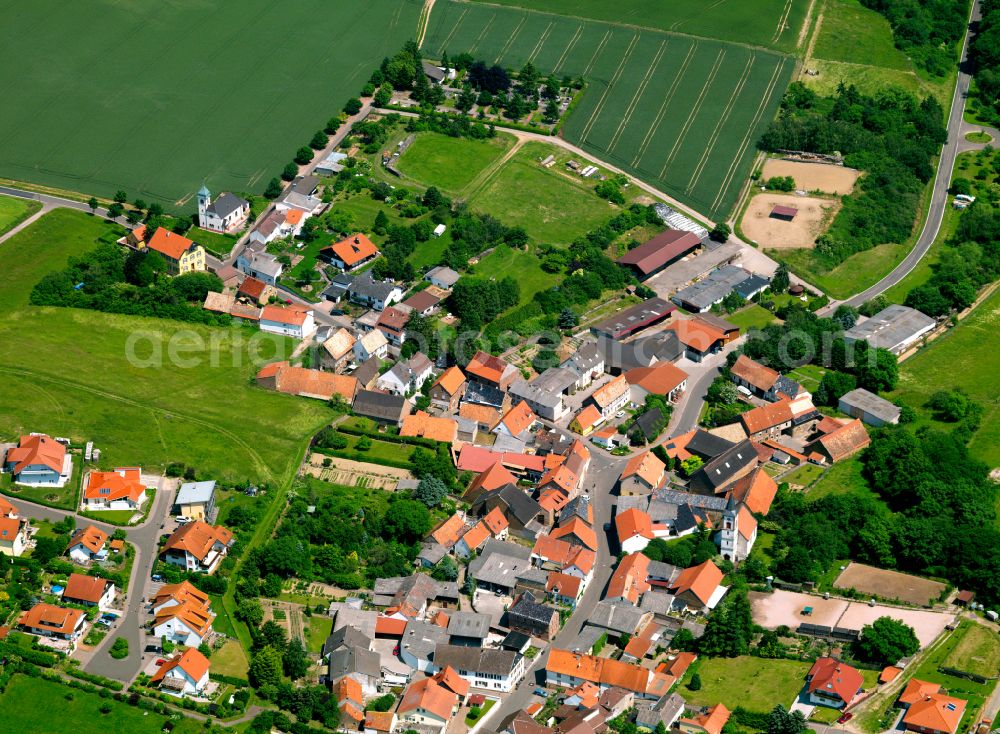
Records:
x=68, y=372
x=756, y=684
x=157, y=98
x=771, y=23
x=13, y=211
x=451, y=163
x=36, y=706
x=681, y=113
x=960, y=358
x=554, y=207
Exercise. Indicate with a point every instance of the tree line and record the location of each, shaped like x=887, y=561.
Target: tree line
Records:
x=927, y=31
x=986, y=53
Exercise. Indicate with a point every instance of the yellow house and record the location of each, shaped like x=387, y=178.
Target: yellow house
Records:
x=13, y=536
x=195, y=500
x=181, y=254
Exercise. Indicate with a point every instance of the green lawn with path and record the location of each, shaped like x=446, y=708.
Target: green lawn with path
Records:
x=553, y=206
x=217, y=243
x=852, y=276
x=13, y=211
x=751, y=317
x=963, y=357
x=844, y=477
x=756, y=684
x=317, y=630
x=230, y=659
x=449, y=163
x=148, y=391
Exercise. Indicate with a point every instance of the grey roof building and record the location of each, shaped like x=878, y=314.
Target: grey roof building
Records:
x=355, y=662
x=488, y=660
x=579, y=507
x=725, y=468
x=620, y=357
x=708, y=445
x=620, y=618
x=468, y=628
x=515, y=503
x=441, y=276
x=431, y=553
x=380, y=406
x=704, y=294
x=658, y=602
x=414, y=591
x=532, y=617
x=554, y=380
x=585, y=359
x=869, y=407
x=345, y=637
x=338, y=287
x=546, y=404
x=419, y=642
x=499, y=564
x=895, y=328
x=368, y=291
x=666, y=711
x=483, y=394
x=347, y=615
x=196, y=493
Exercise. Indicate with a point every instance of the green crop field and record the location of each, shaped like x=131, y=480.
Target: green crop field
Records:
x=681, y=113
x=771, y=23
x=960, y=358
x=185, y=394
x=156, y=98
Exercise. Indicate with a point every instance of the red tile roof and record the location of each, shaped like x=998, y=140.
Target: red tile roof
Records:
x=630, y=579
x=293, y=315
x=51, y=618
x=451, y=380
x=478, y=459
x=449, y=532
x=487, y=367
x=647, y=467
x=519, y=418
x=711, y=721
x=85, y=588
x=756, y=374
x=937, y=713
x=660, y=250
x=632, y=523
x=661, y=379
x=429, y=695
x=90, y=537
x=169, y=243
x=190, y=661
x=766, y=417
x=701, y=580
x=197, y=538
x=252, y=287
x=493, y=477
x=756, y=490
x=37, y=450
x=577, y=528
x=835, y=679
x=352, y=250
x=115, y=485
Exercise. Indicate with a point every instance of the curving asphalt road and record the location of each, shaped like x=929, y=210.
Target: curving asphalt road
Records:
x=942, y=180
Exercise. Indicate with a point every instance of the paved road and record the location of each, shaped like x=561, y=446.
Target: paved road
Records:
x=144, y=537
x=942, y=180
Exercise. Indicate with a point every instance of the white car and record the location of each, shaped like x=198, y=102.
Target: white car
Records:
x=620, y=414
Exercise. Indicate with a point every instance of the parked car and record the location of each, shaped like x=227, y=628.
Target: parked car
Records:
x=157, y=577
x=845, y=718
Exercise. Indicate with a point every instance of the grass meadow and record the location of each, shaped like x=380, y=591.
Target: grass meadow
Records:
x=681, y=113
x=13, y=211
x=960, y=358
x=66, y=372
x=157, y=98
x=756, y=684
x=449, y=163
x=771, y=23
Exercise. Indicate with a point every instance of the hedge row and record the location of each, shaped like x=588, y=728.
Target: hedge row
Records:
x=363, y=457
x=230, y=679
x=99, y=680
x=29, y=655
x=495, y=123
x=427, y=443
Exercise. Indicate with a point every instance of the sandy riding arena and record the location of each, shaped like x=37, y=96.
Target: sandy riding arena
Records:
x=825, y=177
x=889, y=584
x=810, y=221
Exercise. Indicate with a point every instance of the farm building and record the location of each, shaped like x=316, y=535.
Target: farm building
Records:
x=869, y=407
x=784, y=213
x=632, y=320
x=895, y=328
x=704, y=294
x=661, y=251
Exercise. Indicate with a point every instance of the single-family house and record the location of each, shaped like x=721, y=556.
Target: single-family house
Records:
x=666, y=711
x=490, y=370
x=424, y=425
x=482, y=667
x=544, y=402
x=762, y=381
x=380, y=722
x=448, y=389
x=185, y=623
x=517, y=422
x=338, y=350
x=121, y=489
x=256, y=262
x=587, y=363
x=87, y=544
x=351, y=702
x=935, y=713
x=643, y=473
x=227, y=213
x=407, y=376
x=711, y=721
x=351, y=252
x=49, y=620
x=197, y=546
x=392, y=322
x=180, y=254
x=13, y=535
x=610, y=397
x=698, y=588
x=185, y=674
x=423, y=302
x=195, y=500
x=534, y=618
x=39, y=460
x=426, y=703
x=767, y=421
x=185, y=592
x=295, y=320
x=374, y=344
x=254, y=291
x=89, y=591
x=365, y=290
x=830, y=682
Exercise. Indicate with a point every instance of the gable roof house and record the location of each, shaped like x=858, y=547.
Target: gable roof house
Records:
x=498, y=566
x=442, y=277
x=642, y=474
x=719, y=473
x=841, y=443
x=761, y=381
x=521, y=510
x=13, y=533
x=657, y=254
x=179, y=253
x=186, y=674
x=611, y=397
x=120, y=489
x=424, y=425
x=365, y=290
x=379, y=406
x=468, y=628
x=357, y=663
x=294, y=320
x=86, y=544
x=517, y=422
x=39, y=461
x=699, y=337
x=493, y=477
x=490, y=370
x=307, y=383
x=830, y=682
x=662, y=378
x=482, y=667
x=698, y=588
x=392, y=322
x=49, y=620
x=711, y=721
x=351, y=252
x=185, y=592
x=372, y=345
x=767, y=421
x=448, y=388
x=89, y=591
x=545, y=400
x=197, y=546
x=428, y=704
x=569, y=669
x=587, y=363
x=407, y=376
x=419, y=642
x=338, y=350
x=256, y=262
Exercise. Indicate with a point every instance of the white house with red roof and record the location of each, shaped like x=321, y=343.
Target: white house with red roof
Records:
x=13, y=530
x=833, y=683
x=185, y=674
x=295, y=320
x=40, y=461
x=121, y=489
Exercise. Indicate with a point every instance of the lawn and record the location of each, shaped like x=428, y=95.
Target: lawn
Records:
x=772, y=23
x=523, y=266
x=852, y=276
x=65, y=497
x=808, y=375
x=13, y=211
x=230, y=659
x=844, y=477
x=449, y=163
x=222, y=623
x=222, y=101
x=36, y=706
x=146, y=391
x=978, y=652
x=975, y=693
x=115, y=517
x=215, y=242
x=553, y=206
x=756, y=684
x=681, y=113
x=960, y=358
x=804, y=475
x=751, y=317
x=487, y=705
x=317, y=631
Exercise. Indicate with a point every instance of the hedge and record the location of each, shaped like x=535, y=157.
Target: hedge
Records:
x=230, y=679
x=363, y=457
x=756, y=720
x=494, y=123
x=100, y=680
x=511, y=321
x=427, y=443
x=29, y=655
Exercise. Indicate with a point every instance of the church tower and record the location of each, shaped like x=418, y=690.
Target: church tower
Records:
x=730, y=530
x=204, y=201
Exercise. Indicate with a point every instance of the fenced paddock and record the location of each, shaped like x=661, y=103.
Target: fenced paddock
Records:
x=889, y=584
x=681, y=113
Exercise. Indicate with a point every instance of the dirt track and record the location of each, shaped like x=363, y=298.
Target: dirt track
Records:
x=814, y=213
x=825, y=177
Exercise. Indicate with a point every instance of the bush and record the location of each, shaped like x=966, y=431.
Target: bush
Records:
x=119, y=649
